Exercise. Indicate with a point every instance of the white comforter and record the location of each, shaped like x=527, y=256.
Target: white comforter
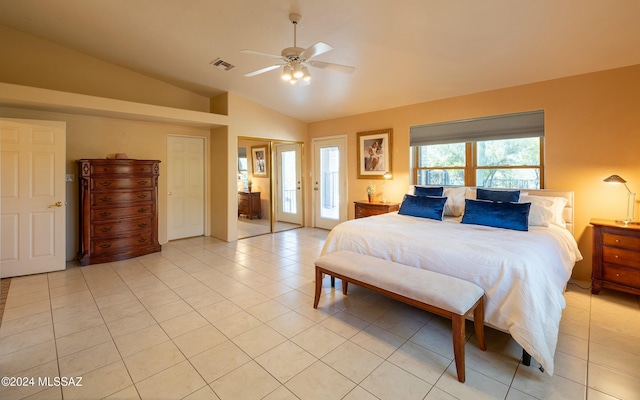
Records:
x=523, y=274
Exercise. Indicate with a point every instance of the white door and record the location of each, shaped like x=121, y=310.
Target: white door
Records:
x=185, y=182
x=33, y=197
x=330, y=182
x=289, y=183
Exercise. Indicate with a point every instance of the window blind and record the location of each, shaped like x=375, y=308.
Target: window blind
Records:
x=506, y=126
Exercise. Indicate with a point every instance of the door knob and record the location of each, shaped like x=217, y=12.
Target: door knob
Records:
x=56, y=204
x=170, y=193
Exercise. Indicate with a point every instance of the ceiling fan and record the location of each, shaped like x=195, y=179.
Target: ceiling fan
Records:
x=295, y=60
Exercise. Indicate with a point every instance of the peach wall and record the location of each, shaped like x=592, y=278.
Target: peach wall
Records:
x=40, y=63
x=592, y=130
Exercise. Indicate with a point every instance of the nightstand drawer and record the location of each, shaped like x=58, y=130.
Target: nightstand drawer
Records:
x=626, y=257
x=628, y=242
x=621, y=275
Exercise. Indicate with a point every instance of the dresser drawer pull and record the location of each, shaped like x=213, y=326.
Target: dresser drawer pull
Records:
x=141, y=210
x=105, y=213
x=142, y=225
x=616, y=256
x=105, y=229
x=106, y=245
x=105, y=183
x=105, y=198
x=617, y=240
x=618, y=275
x=142, y=240
x=142, y=182
x=142, y=196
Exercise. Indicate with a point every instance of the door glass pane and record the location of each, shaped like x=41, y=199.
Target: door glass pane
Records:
x=288, y=179
x=329, y=182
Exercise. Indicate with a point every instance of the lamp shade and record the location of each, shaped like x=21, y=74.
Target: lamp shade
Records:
x=615, y=179
x=286, y=73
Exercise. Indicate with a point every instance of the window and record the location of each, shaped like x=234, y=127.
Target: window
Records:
x=508, y=163
x=505, y=151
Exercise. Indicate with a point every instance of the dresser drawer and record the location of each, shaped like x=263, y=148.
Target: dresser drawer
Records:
x=121, y=169
x=614, y=255
x=106, y=214
x=121, y=244
x=622, y=275
x=628, y=242
x=117, y=198
x=116, y=228
x=121, y=183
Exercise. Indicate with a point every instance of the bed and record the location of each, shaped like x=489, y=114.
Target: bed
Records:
x=523, y=273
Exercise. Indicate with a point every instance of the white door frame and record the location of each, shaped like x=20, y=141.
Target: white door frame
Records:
x=205, y=176
x=344, y=201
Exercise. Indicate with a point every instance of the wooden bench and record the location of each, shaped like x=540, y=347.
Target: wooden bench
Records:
x=440, y=294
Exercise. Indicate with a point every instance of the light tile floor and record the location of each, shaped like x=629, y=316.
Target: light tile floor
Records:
x=205, y=319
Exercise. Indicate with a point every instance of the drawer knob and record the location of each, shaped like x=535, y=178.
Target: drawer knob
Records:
x=142, y=225
x=142, y=182
x=105, y=229
x=106, y=213
x=142, y=240
x=142, y=196
x=106, y=245
x=617, y=240
x=105, y=183
x=141, y=210
x=105, y=198
x=617, y=274
x=617, y=256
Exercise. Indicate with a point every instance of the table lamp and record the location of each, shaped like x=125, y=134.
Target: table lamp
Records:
x=387, y=175
x=631, y=199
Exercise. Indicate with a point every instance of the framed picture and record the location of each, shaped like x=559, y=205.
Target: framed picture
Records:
x=374, y=154
x=260, y=161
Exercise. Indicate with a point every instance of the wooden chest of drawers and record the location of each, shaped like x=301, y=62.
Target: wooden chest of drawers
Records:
x=616, y=256
x=118, y=209
x=366, y=209
x=249, y=204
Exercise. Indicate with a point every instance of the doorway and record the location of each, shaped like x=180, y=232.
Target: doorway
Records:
x=329, y=181
x=269, y=186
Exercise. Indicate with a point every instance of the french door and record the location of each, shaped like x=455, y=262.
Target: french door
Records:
x=329, y=182
x=289, y=183
x=33, y=196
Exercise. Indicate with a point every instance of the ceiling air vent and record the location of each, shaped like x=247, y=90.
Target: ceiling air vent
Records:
x=222, y=64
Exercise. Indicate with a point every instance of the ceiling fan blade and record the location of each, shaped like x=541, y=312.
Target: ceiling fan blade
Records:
x=263, y=70
x=332, y=66
x=315, y=50
x=261, y=53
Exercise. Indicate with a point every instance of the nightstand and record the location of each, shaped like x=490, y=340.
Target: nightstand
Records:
x=616, y=256
x=366, y=209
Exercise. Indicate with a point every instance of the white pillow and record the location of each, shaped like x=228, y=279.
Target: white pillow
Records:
x=556, y=207
x=454, y=207
x=542, y=210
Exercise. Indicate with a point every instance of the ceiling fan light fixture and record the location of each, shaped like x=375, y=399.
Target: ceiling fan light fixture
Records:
x=286, y=73
x=306, y=76
x=293, y=81
x=297, y=70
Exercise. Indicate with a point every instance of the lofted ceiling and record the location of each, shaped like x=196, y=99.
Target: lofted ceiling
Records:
x=404, y=51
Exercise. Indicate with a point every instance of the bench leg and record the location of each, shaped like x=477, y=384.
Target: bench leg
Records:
x=345, y=284
x=458, y=333
x=316, y=299
x=478, y=323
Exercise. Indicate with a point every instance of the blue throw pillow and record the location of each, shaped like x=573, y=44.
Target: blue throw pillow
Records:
x=506, y=196
x=423, y=206
x=428, y=191
x=496, y=214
